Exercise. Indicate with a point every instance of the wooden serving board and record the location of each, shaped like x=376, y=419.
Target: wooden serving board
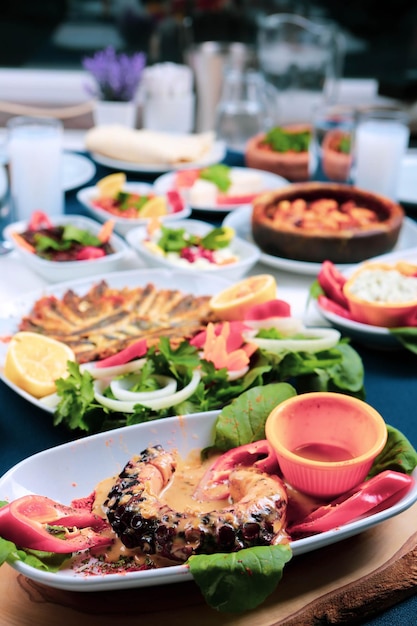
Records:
x=337, y=584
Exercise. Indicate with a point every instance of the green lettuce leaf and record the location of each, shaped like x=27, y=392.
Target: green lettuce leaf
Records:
x=398, y=455
x=239, y=581
x=243, y=420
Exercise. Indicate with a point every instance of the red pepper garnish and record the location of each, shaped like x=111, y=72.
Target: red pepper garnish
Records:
x=25, y=522
x=259, y=454
x=89, y=253
x=377, y=493
x=38, y=220
x=234, y=339
x=332, y=282
x=175, y=201
x=265, y=310
x=225, y=199
x=134, y=351
x=331, y=306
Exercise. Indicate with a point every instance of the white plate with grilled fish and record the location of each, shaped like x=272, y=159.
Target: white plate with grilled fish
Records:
x=165, y=285
x=86, y=462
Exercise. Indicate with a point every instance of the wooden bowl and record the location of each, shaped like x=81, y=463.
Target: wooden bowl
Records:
x=291, y=165
x=321, y=221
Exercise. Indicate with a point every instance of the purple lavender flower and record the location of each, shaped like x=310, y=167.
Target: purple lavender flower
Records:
x=117, y=75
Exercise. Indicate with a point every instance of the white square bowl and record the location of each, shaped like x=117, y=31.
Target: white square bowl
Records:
x=58, y=271
x=124, y=224
x=247, y=253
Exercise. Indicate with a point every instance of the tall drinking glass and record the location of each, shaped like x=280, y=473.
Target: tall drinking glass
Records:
x=331, y=145
x=381, y=140
x=35, y=162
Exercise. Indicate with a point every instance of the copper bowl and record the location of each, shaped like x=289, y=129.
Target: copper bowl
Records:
x=291, y=165
x=280, y=228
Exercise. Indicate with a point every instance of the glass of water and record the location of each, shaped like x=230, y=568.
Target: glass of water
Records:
x=246, y=108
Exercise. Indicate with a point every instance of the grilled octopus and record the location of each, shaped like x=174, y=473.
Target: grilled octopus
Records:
x=141, y=520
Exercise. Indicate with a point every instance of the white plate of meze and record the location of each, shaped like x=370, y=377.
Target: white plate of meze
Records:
x=86, y=462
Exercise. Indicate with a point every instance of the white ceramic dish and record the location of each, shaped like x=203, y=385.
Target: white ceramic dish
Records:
x=77, y=170
x=124, y=224
x=86, y=462
x=240, y=220
x=54, y=271
x=372, y=336
x=270, y=181
x=216, y=154
x=12, y=312
x=248, y=253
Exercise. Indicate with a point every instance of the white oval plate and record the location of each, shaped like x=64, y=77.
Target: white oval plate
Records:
x=85, y=462
x=366, y=334
x=240, y=220
x=12, y=312
x=270, y=181
x=216, y=154
x=77, y=170
x=124, y=224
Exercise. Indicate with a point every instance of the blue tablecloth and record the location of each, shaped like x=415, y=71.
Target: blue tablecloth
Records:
x=390, y=382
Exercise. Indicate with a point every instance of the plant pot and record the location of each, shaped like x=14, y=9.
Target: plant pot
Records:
x=107, y=112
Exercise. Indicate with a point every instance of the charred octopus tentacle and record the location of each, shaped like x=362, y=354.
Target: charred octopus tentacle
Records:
x=141, y=519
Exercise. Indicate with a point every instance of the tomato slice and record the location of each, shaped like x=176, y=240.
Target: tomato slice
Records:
x=38, y=220
x=185, y=178
x=175, y=201
x=228, y=200
x=89, y=253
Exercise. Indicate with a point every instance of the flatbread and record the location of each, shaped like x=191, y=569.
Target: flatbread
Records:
x=147, y=146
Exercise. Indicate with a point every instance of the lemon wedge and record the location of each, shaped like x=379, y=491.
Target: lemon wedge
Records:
x=155, y=207
x=233, y=302
x=34, y=362
x=111, y=185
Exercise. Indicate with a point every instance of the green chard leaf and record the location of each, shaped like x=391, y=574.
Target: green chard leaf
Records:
x=243, y=420
x=242, y=580
x=407, y=337
x=48, y=561
x=398, y=455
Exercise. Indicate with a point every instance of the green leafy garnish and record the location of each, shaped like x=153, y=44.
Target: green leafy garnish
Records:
x=407, y=336
x=47, y=561
x=281, y=140
x=125, y=201
x=242, y=580
x=398, y=455
x=69, y=235
x=176, y=239
x=219, y=175
x=339, y=369
x=243, y=420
